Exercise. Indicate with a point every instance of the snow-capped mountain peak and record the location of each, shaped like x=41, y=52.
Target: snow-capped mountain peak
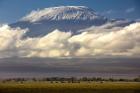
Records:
x=63, y=18
x=62, y=13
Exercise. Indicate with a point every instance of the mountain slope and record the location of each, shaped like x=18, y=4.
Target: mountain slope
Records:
x=64, y=18
x=63, y=13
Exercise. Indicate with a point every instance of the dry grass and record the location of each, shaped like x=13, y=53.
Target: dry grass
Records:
x=84, y=87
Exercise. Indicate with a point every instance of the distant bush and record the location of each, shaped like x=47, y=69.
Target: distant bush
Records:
x=70, y=79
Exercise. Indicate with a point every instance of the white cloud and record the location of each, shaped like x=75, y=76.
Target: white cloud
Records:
x=94, y=42
x=109, y=12
x=130, y=10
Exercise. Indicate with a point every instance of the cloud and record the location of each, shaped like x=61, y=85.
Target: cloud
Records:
x=109, y=12
x=93, y=42
x=130, y=10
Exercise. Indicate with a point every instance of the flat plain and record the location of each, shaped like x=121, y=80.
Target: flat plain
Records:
x=59, y=87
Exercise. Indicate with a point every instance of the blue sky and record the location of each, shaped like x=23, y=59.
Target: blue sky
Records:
x=13, y=10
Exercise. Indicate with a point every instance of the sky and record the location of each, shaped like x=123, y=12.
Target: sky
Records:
x=12, y=10
x=114, y=48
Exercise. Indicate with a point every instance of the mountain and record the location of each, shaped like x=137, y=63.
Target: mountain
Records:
x=64, y=18
x=63, y=13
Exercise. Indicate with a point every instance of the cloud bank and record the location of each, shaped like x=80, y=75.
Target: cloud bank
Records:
x=93, y=42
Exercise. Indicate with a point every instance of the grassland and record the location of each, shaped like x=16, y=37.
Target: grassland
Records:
x=83, y=87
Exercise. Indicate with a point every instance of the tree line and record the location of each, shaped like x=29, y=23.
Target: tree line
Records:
x=70, y=79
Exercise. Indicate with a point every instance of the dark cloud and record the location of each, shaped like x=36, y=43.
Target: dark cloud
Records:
x=31, y=67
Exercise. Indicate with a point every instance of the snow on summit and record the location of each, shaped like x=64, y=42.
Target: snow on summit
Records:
x=62, y=13
x=64, y=18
